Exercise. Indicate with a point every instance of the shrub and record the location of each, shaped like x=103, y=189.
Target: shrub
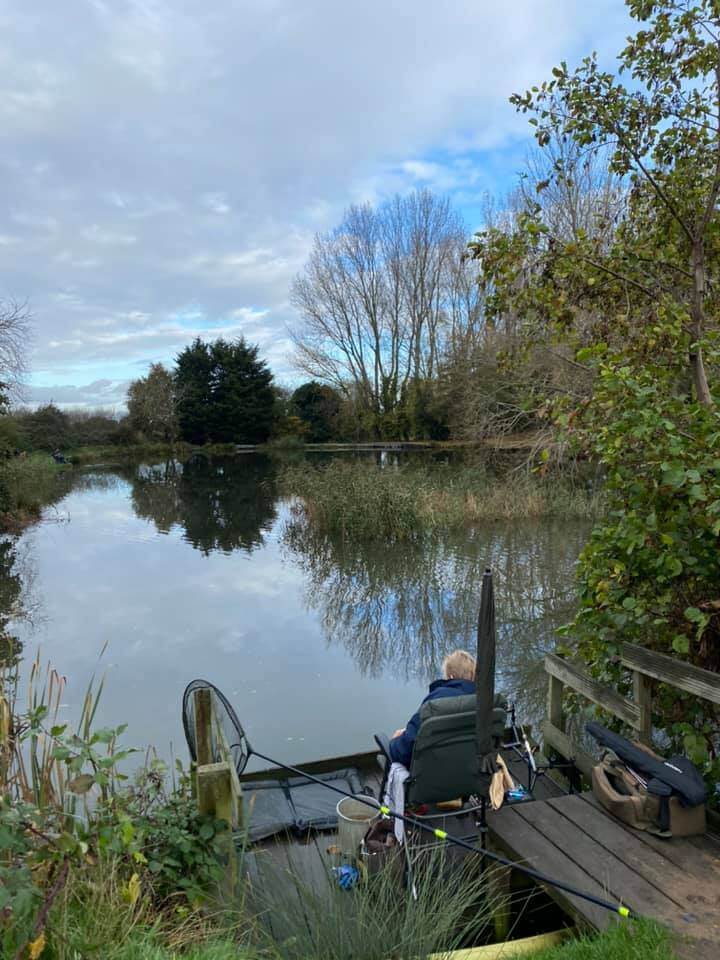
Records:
x=87, y=860
x=651, y=569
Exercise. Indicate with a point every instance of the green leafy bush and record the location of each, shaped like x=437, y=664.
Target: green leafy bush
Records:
x=86, y=858
x=651, y=570
x=163, y=831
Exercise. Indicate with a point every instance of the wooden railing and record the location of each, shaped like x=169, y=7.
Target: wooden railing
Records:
x=645, y=666
x=217, y=787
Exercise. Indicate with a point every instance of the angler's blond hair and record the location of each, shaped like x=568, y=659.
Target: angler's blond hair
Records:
x=459, y=665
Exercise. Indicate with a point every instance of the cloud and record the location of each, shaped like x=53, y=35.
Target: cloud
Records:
x=168, y=157
x=108, y=394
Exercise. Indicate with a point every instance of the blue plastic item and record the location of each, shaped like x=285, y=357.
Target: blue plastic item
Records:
x=346, y=876
x=519, y=793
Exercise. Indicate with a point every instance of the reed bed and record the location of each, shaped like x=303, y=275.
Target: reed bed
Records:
x=374, y=501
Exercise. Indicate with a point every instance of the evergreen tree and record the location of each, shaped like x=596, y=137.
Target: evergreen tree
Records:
x=225, y=393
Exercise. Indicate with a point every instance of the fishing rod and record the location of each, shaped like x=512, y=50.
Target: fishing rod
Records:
x=386, y=811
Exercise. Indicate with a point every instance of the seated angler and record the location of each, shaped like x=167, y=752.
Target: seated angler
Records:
x=458, y=680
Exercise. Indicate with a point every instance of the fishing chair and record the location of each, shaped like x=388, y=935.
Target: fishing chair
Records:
x=445, y=768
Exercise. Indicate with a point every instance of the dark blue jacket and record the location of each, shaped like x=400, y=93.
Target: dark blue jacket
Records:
x=401, y=747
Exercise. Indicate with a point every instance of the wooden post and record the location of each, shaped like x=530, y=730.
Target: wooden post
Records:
x=216, y=799
x=203, y=727
x=217, y=787
x=498, y=878
x=642, y=695
x=554, y=702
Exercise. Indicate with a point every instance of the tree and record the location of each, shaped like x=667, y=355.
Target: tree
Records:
x=639, y=306
x=318, y=406
x=224, y=393
x=227, y=505
x=151, y=405
x=14, y=341
x=663, y=136
x=47, y=428
x=498, y=373
x=379, y=296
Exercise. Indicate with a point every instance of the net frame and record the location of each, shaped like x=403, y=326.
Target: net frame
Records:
x=238, y=743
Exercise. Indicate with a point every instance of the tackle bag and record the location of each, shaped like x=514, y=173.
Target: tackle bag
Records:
x=666, y=797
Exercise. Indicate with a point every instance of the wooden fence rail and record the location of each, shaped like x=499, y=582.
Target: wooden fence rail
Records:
x=645, y=667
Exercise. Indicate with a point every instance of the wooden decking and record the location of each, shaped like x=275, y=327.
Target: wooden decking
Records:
x=570, y=838
x=276, y=867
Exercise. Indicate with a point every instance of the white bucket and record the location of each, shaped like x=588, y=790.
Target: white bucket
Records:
x=355, y=814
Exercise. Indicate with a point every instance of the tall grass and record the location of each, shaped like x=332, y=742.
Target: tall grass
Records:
x=378, y=919
x=400, y=502
x=29, y=483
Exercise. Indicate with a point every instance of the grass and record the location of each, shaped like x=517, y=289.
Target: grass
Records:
x=640, y=940
x=118, y=453
x=28, y=484
x=370, y=501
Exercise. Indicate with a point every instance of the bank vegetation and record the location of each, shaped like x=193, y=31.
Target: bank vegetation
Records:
x=369, y=500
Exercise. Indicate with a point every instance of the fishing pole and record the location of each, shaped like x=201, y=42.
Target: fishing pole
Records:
x=616, y=908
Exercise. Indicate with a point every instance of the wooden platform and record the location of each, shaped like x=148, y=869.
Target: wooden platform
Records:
x=276, y=867
x=676, y=881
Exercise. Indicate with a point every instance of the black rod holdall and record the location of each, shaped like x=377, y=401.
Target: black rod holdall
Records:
x=646, y=791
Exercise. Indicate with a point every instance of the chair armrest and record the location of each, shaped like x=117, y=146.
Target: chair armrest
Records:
x=383, y=742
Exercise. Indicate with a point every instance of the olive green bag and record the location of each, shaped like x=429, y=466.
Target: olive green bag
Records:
x=624, y=796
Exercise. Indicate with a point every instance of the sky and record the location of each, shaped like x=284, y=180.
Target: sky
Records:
x=166, y=164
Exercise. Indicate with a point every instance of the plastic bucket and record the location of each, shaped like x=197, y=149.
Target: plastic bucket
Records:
x=355, y=815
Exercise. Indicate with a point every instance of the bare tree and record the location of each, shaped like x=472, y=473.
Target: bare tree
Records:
x=498, y=383
x=15, y=337
x=379, y=296
x=583, y=197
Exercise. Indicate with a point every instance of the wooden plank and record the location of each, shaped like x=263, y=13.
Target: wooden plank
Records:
x=308, y=867
x=258, y=895
x=227, y=756
x=642, y=695
x=280, y=892
x=680, y=887
x=203, y=726
x=557, y=740
x=610, y=872
x=555, y=701
x=684, y=676
x=603, y=696
x=679, y=851
x=509, y=950
x=523, y=843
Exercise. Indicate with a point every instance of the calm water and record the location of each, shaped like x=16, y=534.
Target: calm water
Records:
x=201, y=570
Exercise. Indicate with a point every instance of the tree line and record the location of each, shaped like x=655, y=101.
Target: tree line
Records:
x=217, y=392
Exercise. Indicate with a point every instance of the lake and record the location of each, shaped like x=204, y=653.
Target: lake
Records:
x=202, y=569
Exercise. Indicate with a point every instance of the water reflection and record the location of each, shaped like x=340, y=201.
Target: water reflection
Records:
x=400, y=608
x=220, y=504
x=17, y=602
x=198, y=569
